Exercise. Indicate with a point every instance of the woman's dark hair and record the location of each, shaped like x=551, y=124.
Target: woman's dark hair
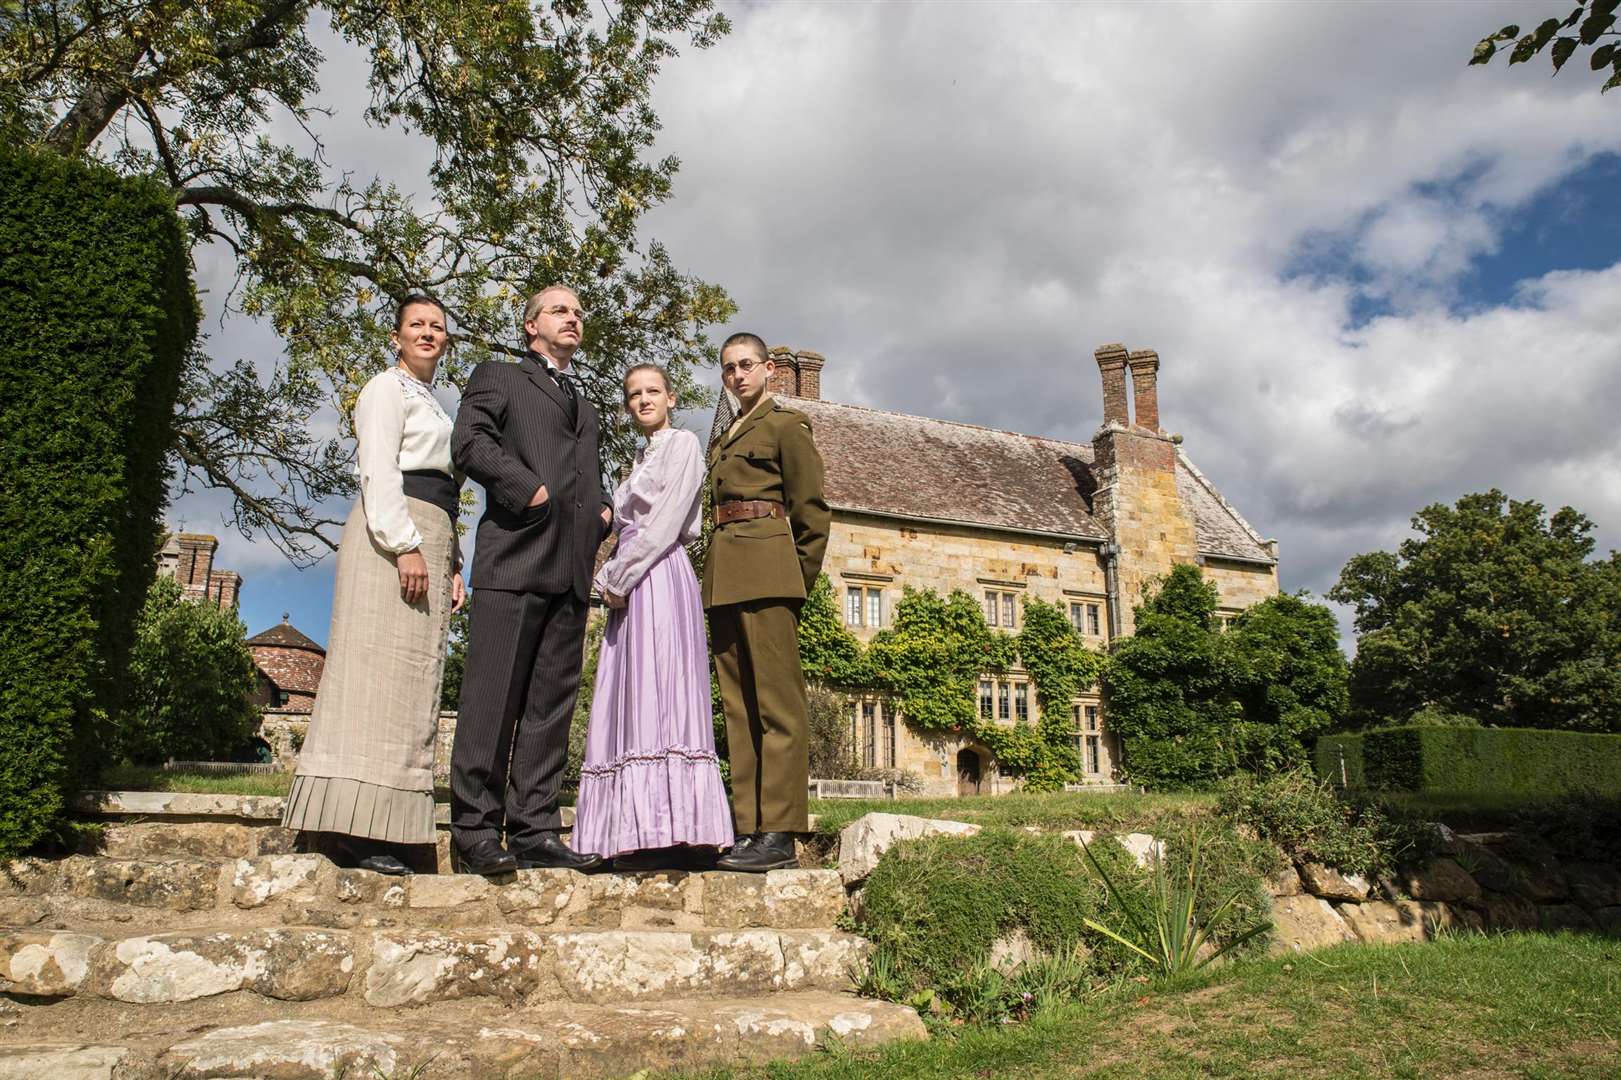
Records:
x=414, y=298
x=665, y=375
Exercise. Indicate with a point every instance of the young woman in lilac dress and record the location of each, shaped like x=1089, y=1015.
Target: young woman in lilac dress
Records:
x=650, y=789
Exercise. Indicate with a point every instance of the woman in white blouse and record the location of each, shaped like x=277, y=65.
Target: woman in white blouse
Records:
x=365, y=772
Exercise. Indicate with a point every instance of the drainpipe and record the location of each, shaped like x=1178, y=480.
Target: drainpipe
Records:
x=1111, y=585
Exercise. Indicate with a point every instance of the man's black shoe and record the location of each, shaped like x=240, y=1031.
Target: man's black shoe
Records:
x=762, y=852
x=550, y=853
x=486, y=857
x=383, y=864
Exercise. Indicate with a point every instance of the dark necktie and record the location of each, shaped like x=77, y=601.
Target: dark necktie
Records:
x=565, y=383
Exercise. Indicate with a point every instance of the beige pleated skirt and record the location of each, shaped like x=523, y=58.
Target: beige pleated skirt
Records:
x=366, y=766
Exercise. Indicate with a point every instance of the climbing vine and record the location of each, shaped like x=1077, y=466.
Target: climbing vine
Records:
x=932, y=657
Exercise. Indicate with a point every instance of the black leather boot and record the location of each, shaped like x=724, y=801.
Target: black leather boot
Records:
x=764, y=851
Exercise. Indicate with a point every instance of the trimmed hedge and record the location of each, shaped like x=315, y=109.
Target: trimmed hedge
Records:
x=94, y=278
x=1326, y=758
x=1478, y=759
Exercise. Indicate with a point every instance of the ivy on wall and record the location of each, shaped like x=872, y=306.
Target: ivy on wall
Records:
x=932, y=657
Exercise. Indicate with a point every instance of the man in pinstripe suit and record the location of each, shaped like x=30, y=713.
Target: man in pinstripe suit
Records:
x=527, y=434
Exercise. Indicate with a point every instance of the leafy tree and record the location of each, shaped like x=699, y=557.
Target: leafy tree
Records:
x=532, y=121
x=1494, y=611
x=828, y=652
x=1594, y=24
x=1290, y=680
x=191, y=681
x=1193, y=704
x=450, y=688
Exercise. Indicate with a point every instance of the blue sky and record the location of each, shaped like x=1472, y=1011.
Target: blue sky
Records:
x=1376, y=278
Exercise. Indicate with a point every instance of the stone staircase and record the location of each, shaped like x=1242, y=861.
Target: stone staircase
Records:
x=172, y=959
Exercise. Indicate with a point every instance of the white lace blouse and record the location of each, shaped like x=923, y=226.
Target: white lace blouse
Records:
x=661, y=505
x=399, y=426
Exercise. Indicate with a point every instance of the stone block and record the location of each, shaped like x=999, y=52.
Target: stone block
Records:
x=863, y=842
x=1509, y=911
x=1443, y=880
x=1564, y=917
x=172, y=884
x=623, y=965
x=446, y=890
x=1011, y=952
x=1285, y=882
x=81, y=1062
x=1397, y=920
x=31, y=877
x=359, y=886
x=413, y=966
x=291, y=964
x=285, y=1048
x=1541, y=877
x=803, y=899
x=733, y=901
x=45, y=964
x=193, y=839
x=255, y=882
x=1301, y=923
x=540, y=897
x=740, y=962
x=1594, y=885
x=1330, y=884
x=1142, y=848
x=822, y=959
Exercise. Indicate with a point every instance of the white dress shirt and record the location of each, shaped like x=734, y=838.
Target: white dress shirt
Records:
x=399, y=427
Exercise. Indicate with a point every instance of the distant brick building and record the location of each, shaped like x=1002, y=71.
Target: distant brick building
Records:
x=189, y=558
x=936, y=504
x=290, y=667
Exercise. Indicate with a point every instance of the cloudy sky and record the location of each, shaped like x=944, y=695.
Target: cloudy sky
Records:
x=1376, y=278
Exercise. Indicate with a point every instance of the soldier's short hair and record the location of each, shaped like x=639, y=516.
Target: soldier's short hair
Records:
x=753, y=341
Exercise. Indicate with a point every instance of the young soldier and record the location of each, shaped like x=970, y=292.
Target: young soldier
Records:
x=771, y=525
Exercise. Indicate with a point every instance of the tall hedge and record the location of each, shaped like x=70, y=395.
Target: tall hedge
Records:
x=1519, y=761
x=94, y=281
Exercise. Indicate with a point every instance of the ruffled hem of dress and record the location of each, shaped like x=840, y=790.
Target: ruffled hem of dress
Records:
x=652, y=801
x=649, y=757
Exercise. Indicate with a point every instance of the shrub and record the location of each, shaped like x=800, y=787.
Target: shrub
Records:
x=1338, y=759
x=93, y=274
x=1492, y=761
x=1304, y=817
x=935, y=906
x=191, y=680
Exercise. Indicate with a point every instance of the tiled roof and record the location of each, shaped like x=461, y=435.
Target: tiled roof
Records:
x=286, y=636
x=939, y=470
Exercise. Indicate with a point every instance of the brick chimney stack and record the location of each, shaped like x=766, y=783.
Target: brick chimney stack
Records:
x=810, y=374
x=785, y=375
x=1112, y=365
x=195, y=564
x=1144, y=364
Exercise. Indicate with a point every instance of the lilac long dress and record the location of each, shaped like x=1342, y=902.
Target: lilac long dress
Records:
x=650, y=777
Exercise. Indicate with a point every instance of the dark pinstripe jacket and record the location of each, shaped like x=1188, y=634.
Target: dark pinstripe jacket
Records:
x=512, y=435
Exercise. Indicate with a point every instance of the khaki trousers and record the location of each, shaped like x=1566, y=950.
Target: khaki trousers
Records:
x=762, y=688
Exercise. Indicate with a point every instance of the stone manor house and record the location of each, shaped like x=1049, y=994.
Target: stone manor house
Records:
x=943, y=505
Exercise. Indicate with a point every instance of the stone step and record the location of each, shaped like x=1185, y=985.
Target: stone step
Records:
x=85, y=893
x=386, y=968
x=238, y=1036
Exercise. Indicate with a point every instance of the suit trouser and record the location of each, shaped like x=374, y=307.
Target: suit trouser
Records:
x=518, y=688
x=762, y=687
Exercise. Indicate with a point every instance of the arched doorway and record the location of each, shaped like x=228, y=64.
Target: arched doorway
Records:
x=967, y=772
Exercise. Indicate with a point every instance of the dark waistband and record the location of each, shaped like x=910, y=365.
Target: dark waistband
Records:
x=433, y=486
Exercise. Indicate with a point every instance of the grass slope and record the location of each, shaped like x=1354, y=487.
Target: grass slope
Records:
x=1531, y=1006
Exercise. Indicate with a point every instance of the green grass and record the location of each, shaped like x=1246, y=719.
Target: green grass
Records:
x=142, y=778
x=1531, y=1006
x=1053, y=810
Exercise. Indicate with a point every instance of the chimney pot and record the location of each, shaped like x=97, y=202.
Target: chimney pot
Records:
x=785, y=376
x=1144, y=365
x=810, y=374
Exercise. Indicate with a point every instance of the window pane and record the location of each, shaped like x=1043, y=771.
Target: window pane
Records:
x=1092, y=764
x=889, y=740
x=1091, y=718
x=869, y=751
x=875, y=607
x=1002, y=703
x=1092, y=621
x=1075, y=617
x=1021, y=700
x=1007, y=609
x=990, y=608
x=985, y=698
x=852, y=606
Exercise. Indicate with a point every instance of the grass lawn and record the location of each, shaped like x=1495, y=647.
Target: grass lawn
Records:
x=1531, y=1006
x=141, y=778
x=1050, y=810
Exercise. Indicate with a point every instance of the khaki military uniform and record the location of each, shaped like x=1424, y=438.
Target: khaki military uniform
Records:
x=757, y=574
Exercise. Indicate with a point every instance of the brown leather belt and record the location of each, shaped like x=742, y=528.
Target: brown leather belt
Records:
x=748, y=510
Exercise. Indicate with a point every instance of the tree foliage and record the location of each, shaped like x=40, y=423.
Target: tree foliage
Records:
x=532, y=124
x=191, y=681
x=1495, y=611
x=1592, y=26
x=1193, y=704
